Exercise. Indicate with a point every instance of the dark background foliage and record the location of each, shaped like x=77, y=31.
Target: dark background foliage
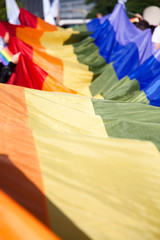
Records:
x=2, y=10
x=3, y=15
x=106, y=6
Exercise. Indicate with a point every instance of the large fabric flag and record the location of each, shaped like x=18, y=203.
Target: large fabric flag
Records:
x=73, y=166
x=148, y=75
x=46, y=72
x=64, y=169
x=59, y=61
x=119, y=41
x=59, y=52
x=24, y=222
x=141, y=85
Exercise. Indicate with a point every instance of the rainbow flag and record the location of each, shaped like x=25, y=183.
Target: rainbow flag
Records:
x=65, y=172
x=99, y=61
x=55, y=63
x=80, y=159
x=5, y=56
x=98, y=65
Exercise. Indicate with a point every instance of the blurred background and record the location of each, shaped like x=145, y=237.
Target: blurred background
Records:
x=79, y=11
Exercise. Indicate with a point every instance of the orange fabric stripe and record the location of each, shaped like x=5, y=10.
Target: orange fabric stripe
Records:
x=50, y=84
x=41, y=24
x=29, y=35
x=20, y=174
x=53, y=66
x=16, y=223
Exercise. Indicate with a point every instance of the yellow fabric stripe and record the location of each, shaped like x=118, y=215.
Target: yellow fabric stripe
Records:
x=76, y=75
x=103, y=186
x=53, y=44
x=66, y=113
x=87, y=92
x=109, y=188
x=57, y=37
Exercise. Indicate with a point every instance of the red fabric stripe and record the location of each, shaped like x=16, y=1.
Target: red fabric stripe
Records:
x=27, y=19
x=7, y=27
x=28, y=74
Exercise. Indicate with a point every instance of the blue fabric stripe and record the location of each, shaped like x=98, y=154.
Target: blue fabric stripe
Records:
x=148, y=76
x=131, y=51
x=93, y=25
x=120, y=41
x=125, y=58
x=148, y=72
x=96, y=23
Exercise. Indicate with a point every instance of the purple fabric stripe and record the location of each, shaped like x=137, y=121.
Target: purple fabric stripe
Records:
x=127, y=32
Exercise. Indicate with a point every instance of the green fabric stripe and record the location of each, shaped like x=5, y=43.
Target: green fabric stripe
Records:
x=105, y=81
x=81, y=28
x=77, y=38
x=108, y=85
x=88, y=53
x=129, y=120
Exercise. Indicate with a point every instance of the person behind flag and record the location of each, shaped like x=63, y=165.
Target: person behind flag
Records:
x=5, y=54
x=6, y=67
x=12, y=11
x=4, y=41
x=55, y=10
x=142, y=24
x=48, y=12
x=156, y=37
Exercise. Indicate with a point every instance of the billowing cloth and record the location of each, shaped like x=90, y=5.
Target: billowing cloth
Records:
x=58, y=53
x=28, y=19
x=66, y=170
x=80, y=133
